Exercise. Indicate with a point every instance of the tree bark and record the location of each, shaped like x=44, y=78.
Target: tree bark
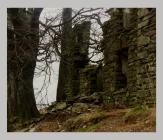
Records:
x=64, y=68
x=23, y=39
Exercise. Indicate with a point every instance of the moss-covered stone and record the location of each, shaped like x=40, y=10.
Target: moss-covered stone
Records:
x=143, y=40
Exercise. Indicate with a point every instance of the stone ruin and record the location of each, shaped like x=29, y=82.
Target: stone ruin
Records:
x=130, y=56
x=128, y=75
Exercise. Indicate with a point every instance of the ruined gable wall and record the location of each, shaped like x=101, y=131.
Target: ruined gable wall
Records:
x=78, y=56
x=142, y=58
x=135, y=30
x=112, y=44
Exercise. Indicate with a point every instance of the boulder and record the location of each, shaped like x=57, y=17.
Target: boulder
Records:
x=78, y=107
x=87, y=99
x=59, y=106
x=95, y=98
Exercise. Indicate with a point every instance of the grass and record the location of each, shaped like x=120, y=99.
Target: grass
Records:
x=91, y=128
x=82, y=121
x=133, y=114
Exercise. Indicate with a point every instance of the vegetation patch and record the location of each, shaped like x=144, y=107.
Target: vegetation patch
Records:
x=134, y=114
x=83, y=120
x=91, y=128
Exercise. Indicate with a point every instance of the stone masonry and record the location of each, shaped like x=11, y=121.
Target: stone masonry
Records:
x=130, y=56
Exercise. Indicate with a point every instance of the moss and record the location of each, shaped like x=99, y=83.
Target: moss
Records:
x=140, y=111
x=78, y=107
x=84, y=120
x=91, y=128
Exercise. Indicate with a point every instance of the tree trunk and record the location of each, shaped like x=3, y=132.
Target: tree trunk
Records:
x=22, y=53
x=64, y=68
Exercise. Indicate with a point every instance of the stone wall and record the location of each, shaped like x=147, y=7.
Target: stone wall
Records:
x=88, y=80
x=142, y=58
x=91, y=79
x=130, y=55
x=112, y=46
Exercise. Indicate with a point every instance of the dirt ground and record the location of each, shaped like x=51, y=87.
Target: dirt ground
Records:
x=96, y=119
